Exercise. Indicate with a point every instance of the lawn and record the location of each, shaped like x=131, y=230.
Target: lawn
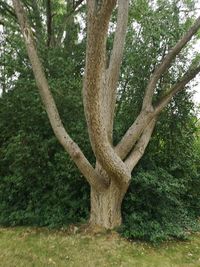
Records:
x=42, y=247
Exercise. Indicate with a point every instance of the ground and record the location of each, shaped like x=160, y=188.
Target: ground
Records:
x=42, y=247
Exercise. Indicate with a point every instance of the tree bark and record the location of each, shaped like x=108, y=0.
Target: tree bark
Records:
x=110, y=179
x=106, y=206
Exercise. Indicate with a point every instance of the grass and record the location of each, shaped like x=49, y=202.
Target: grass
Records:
x=42, y=247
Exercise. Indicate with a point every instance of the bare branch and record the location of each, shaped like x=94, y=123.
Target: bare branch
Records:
x=133, y=133
x=115, y=64
x=119, y=40
x=147, y=102
x=77, y=4
x=188, y=76
x=147, y=113
x=140, y=147
x=69, y=145
x=136, y=129
x=189, y=10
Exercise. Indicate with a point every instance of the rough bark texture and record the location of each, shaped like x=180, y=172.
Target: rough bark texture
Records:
x=65, y=140
x=97, y=28
x=106, y=206
x=113, y=71
x=110, y=179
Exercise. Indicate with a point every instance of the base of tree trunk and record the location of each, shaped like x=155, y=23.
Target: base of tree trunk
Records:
x=106, y=207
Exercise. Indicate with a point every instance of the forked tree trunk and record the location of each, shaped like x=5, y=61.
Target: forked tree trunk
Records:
x=100, y=91
x=106, y=206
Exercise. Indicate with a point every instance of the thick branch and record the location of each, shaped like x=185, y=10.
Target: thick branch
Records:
x=115, y=64
x=133, y=133
x=101, y=8
x=140, y=147
x=167, y=62
x=189, y=75
x=69, y=145
x=147, y=113
x=136, y=129
x=119, y=41
x=97, y=29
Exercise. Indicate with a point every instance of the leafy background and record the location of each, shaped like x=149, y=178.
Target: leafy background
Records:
x=39, y=184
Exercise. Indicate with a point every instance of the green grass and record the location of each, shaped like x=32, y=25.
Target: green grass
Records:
x=42, y=247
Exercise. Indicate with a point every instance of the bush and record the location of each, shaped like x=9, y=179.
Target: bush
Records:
x=39, y=184
x=154, y=208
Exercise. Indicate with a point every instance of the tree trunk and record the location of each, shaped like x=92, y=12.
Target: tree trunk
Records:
x=118, y=162
x=106, y=206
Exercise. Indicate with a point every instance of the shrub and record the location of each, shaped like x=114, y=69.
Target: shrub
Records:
x=154, y=209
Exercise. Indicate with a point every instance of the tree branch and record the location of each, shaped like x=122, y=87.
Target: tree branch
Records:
x=187, y=77
x=143, y=119
x=147, y=112
x=141, y=145
x=133, y=133
x=69, y=145
x=101, y=8
x=77, y=4
x=114, y=65
x=97, y=29
x=147, y=102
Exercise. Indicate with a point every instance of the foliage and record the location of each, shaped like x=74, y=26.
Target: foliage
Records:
x=163, y=200
x=155, y=209
x=39, y=185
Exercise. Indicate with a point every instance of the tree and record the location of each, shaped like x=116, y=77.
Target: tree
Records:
x=110, y=178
